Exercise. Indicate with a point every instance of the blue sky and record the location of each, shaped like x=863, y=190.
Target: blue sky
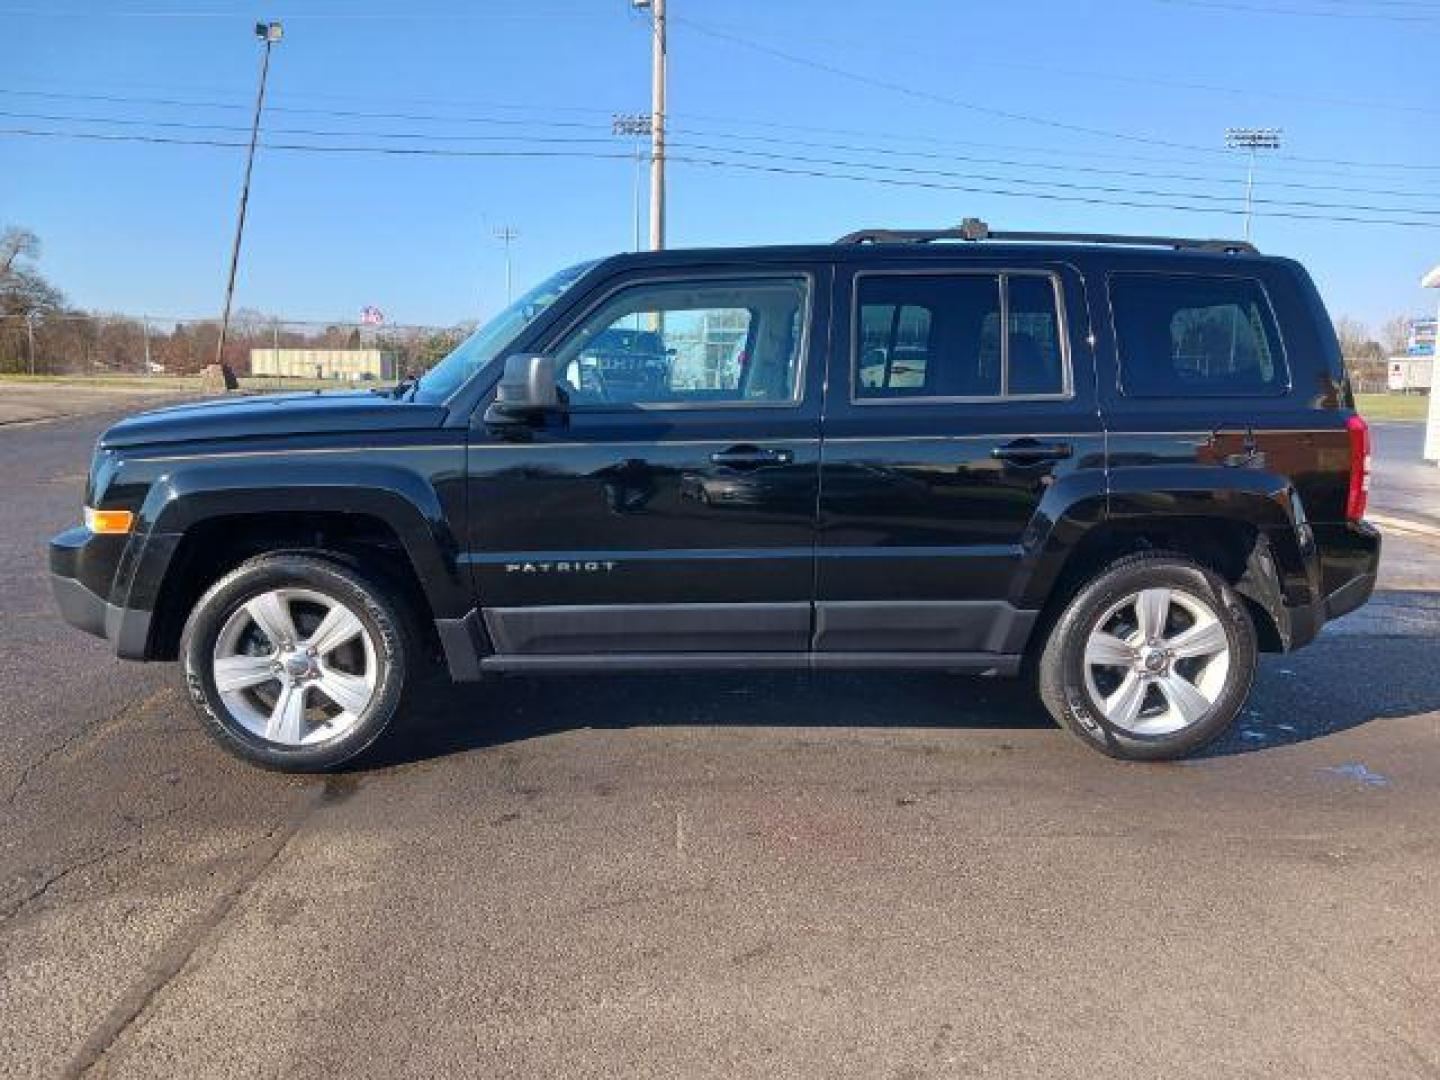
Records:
x=1131, y=95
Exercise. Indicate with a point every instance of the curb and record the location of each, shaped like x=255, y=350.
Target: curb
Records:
x=1406, y=525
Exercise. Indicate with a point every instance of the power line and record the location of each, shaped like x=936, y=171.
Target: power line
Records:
x=183, y=125
x=1069, y=153
x=928, y=95
x=350, y=114
x=1178, y=207
x=1127, y=76
x=1066, y=167
x=388, y=16
x=433, y=137
x=1005, y=114
x=1421, y=16
x=1238, y=200
x=358, y=114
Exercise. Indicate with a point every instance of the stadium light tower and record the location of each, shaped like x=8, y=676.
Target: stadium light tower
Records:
x=270, y=33
x=507, y=235
x=1251, y=140
x=636, y=126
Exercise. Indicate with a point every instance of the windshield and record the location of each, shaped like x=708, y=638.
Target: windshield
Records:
x=485, y=344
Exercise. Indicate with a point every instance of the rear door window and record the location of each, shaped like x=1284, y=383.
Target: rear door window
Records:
x=1193, y=335
x=957, y=336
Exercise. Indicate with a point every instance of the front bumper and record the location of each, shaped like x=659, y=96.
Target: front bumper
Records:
x=82, y=563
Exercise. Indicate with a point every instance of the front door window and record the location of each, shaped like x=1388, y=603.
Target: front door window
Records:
x=689, y=344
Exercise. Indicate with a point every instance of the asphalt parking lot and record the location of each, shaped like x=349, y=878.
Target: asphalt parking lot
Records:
x=879, y=875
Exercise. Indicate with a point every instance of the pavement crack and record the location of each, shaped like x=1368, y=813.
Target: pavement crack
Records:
x=172, y=960
x=52, y=879
x=78, y=736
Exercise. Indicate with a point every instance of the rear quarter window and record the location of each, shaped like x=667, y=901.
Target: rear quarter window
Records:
x=1196, y=335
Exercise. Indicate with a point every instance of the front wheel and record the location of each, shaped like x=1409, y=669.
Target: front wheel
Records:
x=1151, y=660
x=294, y=662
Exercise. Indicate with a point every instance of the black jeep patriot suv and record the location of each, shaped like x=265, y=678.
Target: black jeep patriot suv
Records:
x=1123, y=465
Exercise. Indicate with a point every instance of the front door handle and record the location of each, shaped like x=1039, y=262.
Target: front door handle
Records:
x=1031, y=452
x=751, y=457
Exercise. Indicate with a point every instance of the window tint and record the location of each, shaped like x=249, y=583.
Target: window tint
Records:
x=689, y=342
x=941, y=335
x=894, y=346
x=1183, y=335
x=1036, y=365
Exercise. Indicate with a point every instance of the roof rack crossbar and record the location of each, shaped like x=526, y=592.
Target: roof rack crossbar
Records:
x=974, y=230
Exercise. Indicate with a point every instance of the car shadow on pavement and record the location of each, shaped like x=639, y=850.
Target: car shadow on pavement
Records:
x=1382, y=662
x=453, y=719
x=1343, y=680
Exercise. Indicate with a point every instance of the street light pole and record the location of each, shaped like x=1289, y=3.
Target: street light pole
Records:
x=269, y=33
x=1251, y=139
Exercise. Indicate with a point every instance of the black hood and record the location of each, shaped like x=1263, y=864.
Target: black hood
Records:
x=273, y=414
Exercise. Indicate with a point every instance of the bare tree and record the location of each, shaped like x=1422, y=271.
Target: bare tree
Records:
x=16, y=244
x=23, y=291
x=1395, y=335
x=1354, y=335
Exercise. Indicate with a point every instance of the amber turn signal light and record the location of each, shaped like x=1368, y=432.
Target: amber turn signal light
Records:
x=109, y=521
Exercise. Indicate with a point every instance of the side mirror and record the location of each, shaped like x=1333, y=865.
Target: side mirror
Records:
x=526, y=394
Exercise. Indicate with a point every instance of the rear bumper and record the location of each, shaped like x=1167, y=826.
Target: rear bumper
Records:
x=1349, y=596
x=78, y=561
x=1347, y=562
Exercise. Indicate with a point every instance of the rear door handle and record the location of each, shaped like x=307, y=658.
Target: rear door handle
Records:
x=751, y=457
x=1030, y=452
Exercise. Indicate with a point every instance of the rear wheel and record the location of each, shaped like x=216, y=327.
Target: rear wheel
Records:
x=1151, y=660
x=295, y=662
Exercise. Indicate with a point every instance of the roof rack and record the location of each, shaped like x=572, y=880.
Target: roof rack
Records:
x=974, y=230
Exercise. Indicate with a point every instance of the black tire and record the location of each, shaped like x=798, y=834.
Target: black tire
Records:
x=382, y=618
x=1061, y=675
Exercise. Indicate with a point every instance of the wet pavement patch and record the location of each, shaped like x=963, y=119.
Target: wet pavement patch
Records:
x=1359, y=773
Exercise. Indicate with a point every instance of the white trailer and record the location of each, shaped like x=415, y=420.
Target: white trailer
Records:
x=1411, y=374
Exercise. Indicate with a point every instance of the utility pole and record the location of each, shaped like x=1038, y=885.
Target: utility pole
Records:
x=657, y=119
x=1251, y=139
x=269, y=33
x=507, y=235
x=636, y=125
x=30, y=338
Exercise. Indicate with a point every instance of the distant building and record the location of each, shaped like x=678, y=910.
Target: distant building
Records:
x=343, y=365
x=1411, y=374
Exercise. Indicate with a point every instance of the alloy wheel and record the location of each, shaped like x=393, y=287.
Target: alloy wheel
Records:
x=1156, y=661
x=295, y=667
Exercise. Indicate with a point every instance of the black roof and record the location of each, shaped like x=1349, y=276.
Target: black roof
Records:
x=920, y=254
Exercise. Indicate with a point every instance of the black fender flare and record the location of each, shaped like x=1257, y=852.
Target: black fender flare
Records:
x=1281, y=572
x=400, y=498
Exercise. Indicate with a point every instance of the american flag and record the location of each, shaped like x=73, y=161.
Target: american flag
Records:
x=370, y=315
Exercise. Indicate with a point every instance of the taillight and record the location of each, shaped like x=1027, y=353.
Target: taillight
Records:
x=1359, y=491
